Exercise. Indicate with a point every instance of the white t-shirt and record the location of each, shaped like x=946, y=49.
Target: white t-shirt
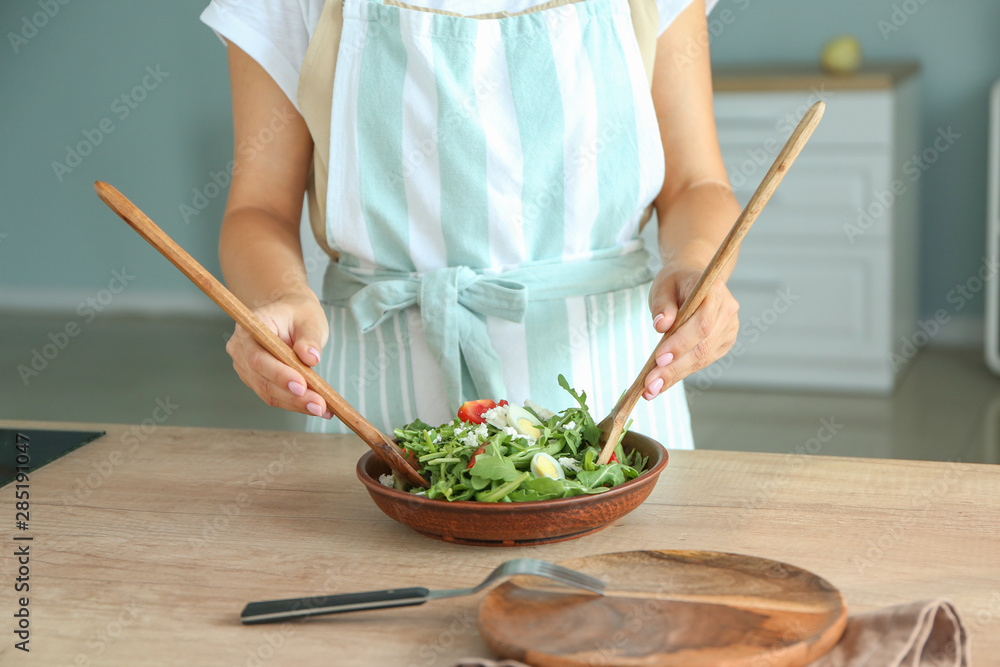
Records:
x=276, y=33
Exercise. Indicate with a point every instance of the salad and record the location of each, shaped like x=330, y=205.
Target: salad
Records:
x=498, y=452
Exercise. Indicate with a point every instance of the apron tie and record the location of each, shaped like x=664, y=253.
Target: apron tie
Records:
x=455, y=301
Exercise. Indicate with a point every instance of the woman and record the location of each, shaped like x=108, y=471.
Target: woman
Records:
x=480, y=183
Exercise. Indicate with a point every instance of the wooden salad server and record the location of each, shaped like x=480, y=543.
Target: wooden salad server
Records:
x=384, y=447
x=613, y=425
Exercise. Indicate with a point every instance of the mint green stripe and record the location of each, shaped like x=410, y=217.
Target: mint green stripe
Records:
x=462, y=152
x=606, y=352
x=380, y=155
x=539, y=110
x=547, y=332
x=618, y=179
x=402, y=331
x=351, y=361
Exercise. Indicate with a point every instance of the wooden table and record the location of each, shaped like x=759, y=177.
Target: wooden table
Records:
x=147, y=545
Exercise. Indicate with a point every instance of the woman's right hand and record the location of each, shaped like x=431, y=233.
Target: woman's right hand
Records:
x=300, y=321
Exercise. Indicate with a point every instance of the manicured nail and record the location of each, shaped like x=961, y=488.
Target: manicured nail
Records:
x=328, y=414
x=315, y=409
x=299, y=390
x=655, y=388
x=314, y=352
x=656, y=320
x=664, y=359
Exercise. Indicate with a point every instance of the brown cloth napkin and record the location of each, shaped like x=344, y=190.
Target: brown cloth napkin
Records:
x=919, y=634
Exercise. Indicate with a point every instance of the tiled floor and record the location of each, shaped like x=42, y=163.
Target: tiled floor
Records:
x=116, y=369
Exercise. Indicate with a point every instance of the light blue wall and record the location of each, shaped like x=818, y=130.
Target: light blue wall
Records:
x=958, y=44
x=63, y=82
x=65, y=79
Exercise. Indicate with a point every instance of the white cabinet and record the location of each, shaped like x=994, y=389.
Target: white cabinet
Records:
x=827, y=277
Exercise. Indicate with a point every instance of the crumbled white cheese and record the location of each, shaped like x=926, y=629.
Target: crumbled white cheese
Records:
x=471, y=439
x=437, y=439
x=496, y=416
x=514, y=433
x=387, y=480
x=542, y=413
x=570, y=464
x=570, y=425
x=482, y=432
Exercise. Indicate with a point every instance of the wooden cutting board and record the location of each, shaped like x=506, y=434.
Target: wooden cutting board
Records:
x=683, y=608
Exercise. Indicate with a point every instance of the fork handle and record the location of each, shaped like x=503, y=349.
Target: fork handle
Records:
x=281, y=610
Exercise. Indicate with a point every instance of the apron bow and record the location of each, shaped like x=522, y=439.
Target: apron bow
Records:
x=454, y=303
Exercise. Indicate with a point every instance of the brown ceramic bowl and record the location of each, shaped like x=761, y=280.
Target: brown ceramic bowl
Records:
x=515, y=524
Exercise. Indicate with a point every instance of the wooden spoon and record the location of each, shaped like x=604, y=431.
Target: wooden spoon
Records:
x=612, y=425
x=385, y=448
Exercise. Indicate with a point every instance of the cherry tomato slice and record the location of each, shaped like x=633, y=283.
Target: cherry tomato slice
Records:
x=472, y=461
x=472, y=411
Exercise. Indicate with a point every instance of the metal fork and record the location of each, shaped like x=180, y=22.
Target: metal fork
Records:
x=280, y=610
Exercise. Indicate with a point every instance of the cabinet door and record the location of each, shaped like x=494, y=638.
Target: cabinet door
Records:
x=831, y=194
x=859, y=118
x=811, y=317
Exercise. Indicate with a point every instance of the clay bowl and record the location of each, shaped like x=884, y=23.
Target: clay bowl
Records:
x=515, y=524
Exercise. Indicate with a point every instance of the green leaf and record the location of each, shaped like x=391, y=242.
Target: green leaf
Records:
x=502, y=491
x=581, y=398
x=611, y=474
x=494, y=468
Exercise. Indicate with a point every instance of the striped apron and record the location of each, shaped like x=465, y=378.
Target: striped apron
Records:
x=485, y=184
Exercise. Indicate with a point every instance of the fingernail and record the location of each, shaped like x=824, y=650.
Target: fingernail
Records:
x=655, y=388
x=314, y=352
x=656, y=320
x=328, y=414
x=664, y=359
x=299, y=390
x=315, y=409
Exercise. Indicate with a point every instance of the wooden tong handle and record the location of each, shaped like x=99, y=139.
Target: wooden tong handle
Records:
x=385, y=448
x=613, y=425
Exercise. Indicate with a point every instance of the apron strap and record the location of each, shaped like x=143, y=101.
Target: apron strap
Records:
x=315, y=91
x=315, y=98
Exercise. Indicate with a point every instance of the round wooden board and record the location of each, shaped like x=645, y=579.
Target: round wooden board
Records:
x=669, y=608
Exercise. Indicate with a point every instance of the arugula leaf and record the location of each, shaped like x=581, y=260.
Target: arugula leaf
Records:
x=503, y=490
x=611, y=474
x=494, y=468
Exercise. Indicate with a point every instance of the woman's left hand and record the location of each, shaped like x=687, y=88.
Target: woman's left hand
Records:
x=707, y=336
